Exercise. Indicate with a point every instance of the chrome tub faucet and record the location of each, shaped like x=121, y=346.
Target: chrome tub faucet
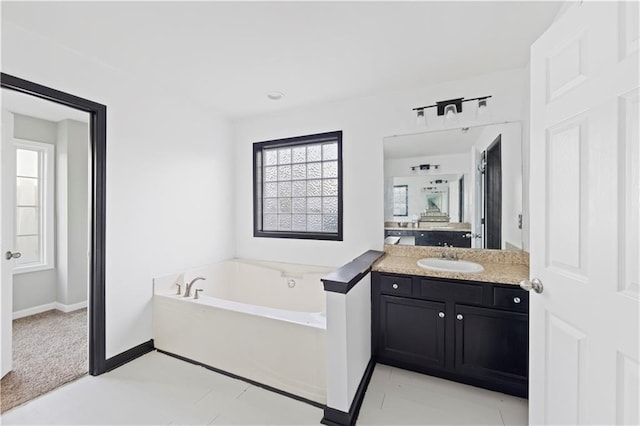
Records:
x=187, y=289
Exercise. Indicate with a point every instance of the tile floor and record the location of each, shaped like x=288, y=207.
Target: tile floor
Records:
x=158, y=389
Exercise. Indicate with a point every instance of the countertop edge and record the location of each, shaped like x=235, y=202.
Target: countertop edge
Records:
x=488, y=276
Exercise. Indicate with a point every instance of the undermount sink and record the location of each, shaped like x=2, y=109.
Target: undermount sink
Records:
x=447, y=265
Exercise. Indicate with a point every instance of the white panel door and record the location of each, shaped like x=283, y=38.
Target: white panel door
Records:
x=7, y=208
x=585, y=171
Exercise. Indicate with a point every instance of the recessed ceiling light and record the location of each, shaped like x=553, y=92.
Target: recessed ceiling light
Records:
x=275, y=96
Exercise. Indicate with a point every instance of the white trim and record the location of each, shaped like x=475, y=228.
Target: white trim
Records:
x=47, y=307
x=35, y=310
x=70, y=308
x=46, y=205
x=38, y=267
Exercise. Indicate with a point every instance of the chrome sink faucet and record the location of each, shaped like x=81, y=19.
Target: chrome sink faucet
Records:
x=449, y=256
x=187, y=289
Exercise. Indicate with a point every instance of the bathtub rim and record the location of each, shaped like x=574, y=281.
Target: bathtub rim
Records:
x=204, y=300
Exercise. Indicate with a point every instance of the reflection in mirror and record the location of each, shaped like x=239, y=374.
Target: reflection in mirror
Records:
x=459, y=187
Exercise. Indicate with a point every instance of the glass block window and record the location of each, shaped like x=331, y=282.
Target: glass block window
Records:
x=400, y=200
x=298, y=187
x=34, y=228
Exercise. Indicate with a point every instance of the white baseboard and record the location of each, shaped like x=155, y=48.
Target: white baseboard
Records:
x=35, y=310
x=70, y=308
x=47, y=307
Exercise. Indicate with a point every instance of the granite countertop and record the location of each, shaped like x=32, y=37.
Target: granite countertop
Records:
x=503, y=267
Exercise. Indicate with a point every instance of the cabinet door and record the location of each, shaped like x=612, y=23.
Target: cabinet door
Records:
x=411, y=331
x=492, y=344
x=458, y=239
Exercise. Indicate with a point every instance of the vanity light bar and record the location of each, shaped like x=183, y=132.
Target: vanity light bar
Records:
x=457, y=102
x=425, y=167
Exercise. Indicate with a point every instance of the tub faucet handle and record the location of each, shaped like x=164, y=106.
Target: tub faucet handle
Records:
x=179, y=291
x=198, y=290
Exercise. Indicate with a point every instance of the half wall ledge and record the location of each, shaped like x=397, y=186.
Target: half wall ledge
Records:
x=344, y=278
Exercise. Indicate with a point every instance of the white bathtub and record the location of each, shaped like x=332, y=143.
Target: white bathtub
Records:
x=263, y=321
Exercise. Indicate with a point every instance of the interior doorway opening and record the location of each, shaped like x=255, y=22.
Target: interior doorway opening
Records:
x=46, y=163
x=88, y=262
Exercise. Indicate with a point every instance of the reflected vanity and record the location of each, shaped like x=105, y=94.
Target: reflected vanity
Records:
x=456, y=188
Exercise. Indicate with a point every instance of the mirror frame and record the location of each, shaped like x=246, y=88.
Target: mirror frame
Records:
x=98, y=363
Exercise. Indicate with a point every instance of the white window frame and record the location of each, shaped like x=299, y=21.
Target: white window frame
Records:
x=46, y=203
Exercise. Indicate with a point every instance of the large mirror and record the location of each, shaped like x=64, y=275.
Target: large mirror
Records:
x=457, y=187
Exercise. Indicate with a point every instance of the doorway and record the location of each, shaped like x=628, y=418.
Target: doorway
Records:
x=47, y=150
x=493, y=195
x=96, y=228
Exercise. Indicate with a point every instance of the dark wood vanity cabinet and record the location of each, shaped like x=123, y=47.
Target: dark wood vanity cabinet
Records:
x=471, y=332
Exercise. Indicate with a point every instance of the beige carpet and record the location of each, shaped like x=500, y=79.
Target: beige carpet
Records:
x=49, y=350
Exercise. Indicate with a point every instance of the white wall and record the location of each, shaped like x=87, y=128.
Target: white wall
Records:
x=169, y=177
x=348, y=342
x=365, y=122
x=72, y=211
x=32, y=289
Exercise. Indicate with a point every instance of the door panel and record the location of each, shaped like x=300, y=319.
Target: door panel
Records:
x=7, y=196
x=567, y=192
x=412, y=331
x=584, y=234
x=628, y=177
x=491, y=344
x=562, y=394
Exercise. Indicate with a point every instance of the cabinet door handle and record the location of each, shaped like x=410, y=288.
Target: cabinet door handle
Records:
x=395, y=286
x=459, y=317
x=441, y=314
x=516, y=299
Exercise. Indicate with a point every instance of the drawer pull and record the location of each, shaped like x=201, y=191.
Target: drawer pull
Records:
x=441, y=314
x=459, y=317
x=395, y=286
x=516, y=299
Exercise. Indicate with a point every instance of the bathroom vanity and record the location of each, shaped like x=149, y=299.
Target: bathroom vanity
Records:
x=471, y=328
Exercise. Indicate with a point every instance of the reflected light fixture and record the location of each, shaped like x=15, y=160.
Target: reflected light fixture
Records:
x=425, y=167
x=451, y=108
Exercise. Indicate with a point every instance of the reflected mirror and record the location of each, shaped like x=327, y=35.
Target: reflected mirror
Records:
x=457, y=187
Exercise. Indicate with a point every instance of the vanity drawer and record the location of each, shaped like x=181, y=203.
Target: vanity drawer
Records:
x=390, y=284
x=443, y=290
x=514, y=299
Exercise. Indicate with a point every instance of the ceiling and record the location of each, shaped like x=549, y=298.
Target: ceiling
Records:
x=443, y=142
x=229, y=55
x=40, y=108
